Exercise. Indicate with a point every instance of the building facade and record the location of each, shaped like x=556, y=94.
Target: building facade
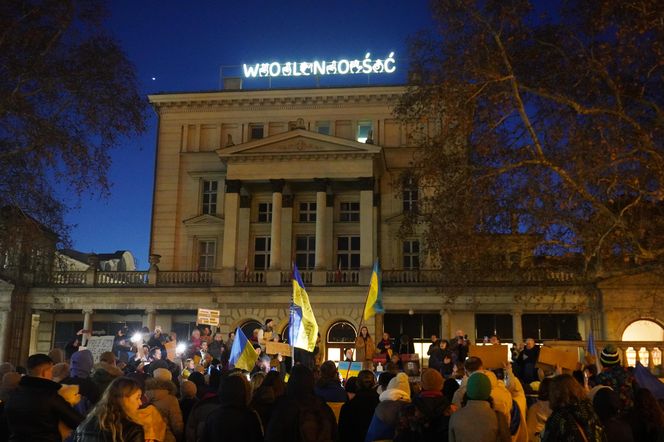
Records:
x=248, y=182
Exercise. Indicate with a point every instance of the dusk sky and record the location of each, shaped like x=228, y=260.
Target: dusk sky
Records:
x=180, y=46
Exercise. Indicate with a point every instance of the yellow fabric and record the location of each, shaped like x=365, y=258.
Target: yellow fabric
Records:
x=372, y=297
x=308, y=332
x=336, y=408
x=154, y=425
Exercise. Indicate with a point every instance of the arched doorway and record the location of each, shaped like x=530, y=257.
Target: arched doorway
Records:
x=643, y=330
x=340, y=336
x=249, y=326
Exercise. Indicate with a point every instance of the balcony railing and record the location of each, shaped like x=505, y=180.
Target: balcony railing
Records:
x=121, y=279
x=250, y=277
x=649, y=353
x=287, y=277
x=343, y=277
x=506, y=276
x=68, y=278
x=195, y=278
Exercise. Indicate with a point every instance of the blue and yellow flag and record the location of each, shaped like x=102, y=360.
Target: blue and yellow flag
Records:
x=304, y=329
x=375, y=297
x=243, y=355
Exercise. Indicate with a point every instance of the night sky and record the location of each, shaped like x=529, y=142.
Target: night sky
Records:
x=180, y=46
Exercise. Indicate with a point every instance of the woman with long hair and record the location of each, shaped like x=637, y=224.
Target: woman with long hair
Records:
x=364, y=346
x=114, y=419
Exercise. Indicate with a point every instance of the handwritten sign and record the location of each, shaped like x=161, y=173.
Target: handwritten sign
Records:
x=99, y=344
x=272, y=348
x=208, y=317
x=492, y=356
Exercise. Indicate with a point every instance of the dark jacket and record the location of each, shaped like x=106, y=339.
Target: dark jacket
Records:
x=331, y=391
x=304, y=419
x=89, y=431
x=263, y=402
x=424, y=420
x=197, y=417
x=232, y=423
x=356, y=414
x=34, y=409
x=566, y=424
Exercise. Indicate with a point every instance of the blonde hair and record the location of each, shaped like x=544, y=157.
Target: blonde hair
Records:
x=109, y=410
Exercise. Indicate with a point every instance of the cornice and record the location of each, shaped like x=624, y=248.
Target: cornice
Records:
x=297, y=156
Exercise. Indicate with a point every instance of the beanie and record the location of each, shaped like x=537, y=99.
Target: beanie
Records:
x=478, y=387
x=432, y=380
x=162, y=374
x=609, y=356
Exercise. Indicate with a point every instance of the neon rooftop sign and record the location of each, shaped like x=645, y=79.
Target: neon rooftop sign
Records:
x=335, y=67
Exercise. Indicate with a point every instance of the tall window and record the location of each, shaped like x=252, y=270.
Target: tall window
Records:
x=410, y=195
x=411, y=255
x=348, y=252
x=207, y=251
x=305, y=252
x=308, y=212
x=487, y=324
x=349, y=212
x=544, y=326
x=255, y=131
x=363, y=129
x=262, y=247
x=209, y=200
x=323, y=127
x=264, y=212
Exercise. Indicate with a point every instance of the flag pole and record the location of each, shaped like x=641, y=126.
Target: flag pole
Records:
x=290, y=328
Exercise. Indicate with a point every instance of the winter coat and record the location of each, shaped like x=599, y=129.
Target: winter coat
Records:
x=565, y=424
x=263, y=402
x=197, y=417
x=385, y=418
x=425, y=420
x=103, y=374
x=186, y=405
x=89, y=431
x=538, y=413
x=478, y=422
x=301, y=419
x=622, y=381
x=365, y=349
x=331, y=391
x=34, y=409
x=161, y=394
x=230, y=423
x=356, y=416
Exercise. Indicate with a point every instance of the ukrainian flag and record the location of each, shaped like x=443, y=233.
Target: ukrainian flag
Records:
x=303, y=327
x=375, y=297
x=243, y=355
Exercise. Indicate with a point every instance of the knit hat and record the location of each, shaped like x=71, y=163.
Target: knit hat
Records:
x=162, y=374
x=432, y=380
x=609, y=356
x=188, y=389
x=478, y=387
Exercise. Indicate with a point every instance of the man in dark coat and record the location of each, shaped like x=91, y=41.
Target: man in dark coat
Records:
x=35, y=408
x=356, y=414
x=527, y=362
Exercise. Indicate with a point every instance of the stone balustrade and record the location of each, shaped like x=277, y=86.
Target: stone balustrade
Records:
x=185, y=278
x=250, y=277
x=72, y=279
x=123, y=279
x=342, y=277
x=287, y=277
x=649, y=353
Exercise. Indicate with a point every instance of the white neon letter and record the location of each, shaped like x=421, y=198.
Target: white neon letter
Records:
x=250, y=71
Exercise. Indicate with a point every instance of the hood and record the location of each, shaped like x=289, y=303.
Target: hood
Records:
x=160, y=384
x=81, y=364
x=397, y=389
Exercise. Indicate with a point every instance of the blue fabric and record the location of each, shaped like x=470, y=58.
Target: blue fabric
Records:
x=331, y=392
x=378, y=430
x=645, y=379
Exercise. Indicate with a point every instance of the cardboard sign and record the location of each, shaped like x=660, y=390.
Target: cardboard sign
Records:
x=349, y=369
x=272, y=348
x=98, y=345
x=208, y=317
x=554, y=356
x=492, y=356
x=170, y=349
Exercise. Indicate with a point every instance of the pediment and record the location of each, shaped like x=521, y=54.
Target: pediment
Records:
x=203, y=220
x=298, y=142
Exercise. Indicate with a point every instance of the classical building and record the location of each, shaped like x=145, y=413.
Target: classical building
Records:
x=248, y=182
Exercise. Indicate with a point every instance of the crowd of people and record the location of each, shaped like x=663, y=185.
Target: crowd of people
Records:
x=142, y=392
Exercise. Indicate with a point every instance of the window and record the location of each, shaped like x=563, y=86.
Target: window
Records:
x=209, y=200
x=307, y=212
x=490, y=324
x=411, y=255
x=323, y=127
x=542, y=326
x=340, y=336
x=410, y=195
x=305, y=252
x=349, y=212
x=363, y=130
x=348, y=252
x=255, y=131
x=249, y=327
x=262, y=247
x=207, y=251
x=264, y=212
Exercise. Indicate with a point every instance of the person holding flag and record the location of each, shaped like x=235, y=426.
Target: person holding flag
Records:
x=303, y=330
x=243, y=355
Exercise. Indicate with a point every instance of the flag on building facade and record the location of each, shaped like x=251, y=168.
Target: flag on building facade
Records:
x=375, y=297
x=303, y=327
x=243, y=355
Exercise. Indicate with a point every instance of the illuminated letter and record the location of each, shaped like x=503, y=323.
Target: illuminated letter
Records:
x=287, y=71
x=305, y=68
x=263, y=72
x=390, y=61
x=331, y=68
x=275, y=69
x=355, y=67
x=319, y=68
x=296, y=72
x=343, y=67
x=250, y=71
x=378, y=66
x=366, y=64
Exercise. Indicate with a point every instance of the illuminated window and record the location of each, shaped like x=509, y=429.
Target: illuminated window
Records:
x=207, y=251
x=264, y=212
x=340, y=336
x=348, y=252
x=363, y=129
x=305, y=252
x=209, y=197
x=262, y=247
x=255, y=131
x=349, y=212
x=411, y=255
x=308, y=212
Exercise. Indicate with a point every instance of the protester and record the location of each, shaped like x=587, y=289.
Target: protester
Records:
x=647, y=417
x=105, y=371
x=328, y=386
x=539, y=412
x=364, y=347
x=385, y=346
x=264, y=397
x=233, y=420
x=434, y=340
x=160, y=392
x=356, y=414
x=459, y=346
x=606, y=404
x=207, y=403
x=384, y=421
x=406, y=345
x=476, y=421
x=526, y=362
x=299, y=415
x=471, y=365
x=188, y=399
x=35, y=408
x=217, y=347
x=619, y=378
x=572, y=417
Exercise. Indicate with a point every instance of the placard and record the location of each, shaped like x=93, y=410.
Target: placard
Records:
x=554, y=356
x=492, y=356
x=272, y=348
x=99, y=344
x=355, y=369
x=208, y=317
x=170, y=349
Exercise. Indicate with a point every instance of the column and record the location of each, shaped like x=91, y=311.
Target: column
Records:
x=321, y=205
x=243, y=235
x=87, y=325
x=517, y=330
x=231, y=212
x=367, y=253
x=4, y=334
x=152, y=318
x=275, y=228
x=445, y=327
x=287, y=231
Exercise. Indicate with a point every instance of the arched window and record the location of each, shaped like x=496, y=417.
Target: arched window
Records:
x=340, y=336
x=249, y=326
